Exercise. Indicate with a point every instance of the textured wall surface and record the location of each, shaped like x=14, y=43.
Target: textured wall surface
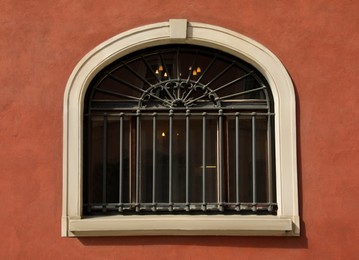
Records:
x=42, y=41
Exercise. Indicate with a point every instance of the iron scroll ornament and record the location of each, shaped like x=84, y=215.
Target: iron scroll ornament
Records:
x=155, y=81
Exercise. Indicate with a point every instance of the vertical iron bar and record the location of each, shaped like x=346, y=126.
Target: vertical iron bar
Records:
x=220, y=158
x=177, y=65
x=204, y=161
x=154, y=148
x=138, y=171
x=170, y=161
x=187, y=159
x=254, y=160
x=104, y=165
x=237, y=161
x=269, y=159
x=120, y=188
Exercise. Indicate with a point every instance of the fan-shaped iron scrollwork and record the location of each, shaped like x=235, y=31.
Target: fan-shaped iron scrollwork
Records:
x=180, y=77
x=179, y=93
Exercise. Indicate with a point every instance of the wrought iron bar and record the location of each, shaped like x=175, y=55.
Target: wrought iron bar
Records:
x=207, y=68
x=165, y=66
x=154, y=151
x=192, y=113
x=145, y=92
x=254, y=198
x=232, y=82
x=269, y=161
x=204, y=161
x=177, y=64
x=117, y=79
x=170, y=160
x=137, y=74
x=241, y=93
x=187, y=158
x=120, y=159
x=192, y=66
x=105, y=158
x=117, y=94
x=150, y=69
x=220, y=160
x=237, y=160
x=221, y=73
x=138, y=160
x=200, y=77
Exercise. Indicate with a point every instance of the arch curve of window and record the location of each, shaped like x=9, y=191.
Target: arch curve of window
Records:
x=271, y=93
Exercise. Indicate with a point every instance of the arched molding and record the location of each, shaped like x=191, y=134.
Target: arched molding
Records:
x=174, y=32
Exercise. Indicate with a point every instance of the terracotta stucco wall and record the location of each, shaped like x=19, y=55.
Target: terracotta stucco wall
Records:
x=41, y=42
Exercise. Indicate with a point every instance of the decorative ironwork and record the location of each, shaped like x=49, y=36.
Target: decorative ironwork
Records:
x=152, y=111
x=177, y=93
x=166, y=79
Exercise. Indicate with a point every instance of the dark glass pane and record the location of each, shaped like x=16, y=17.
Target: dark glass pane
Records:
x=261, y=159
x=95, y=175
x=162, y=162
x=179, y=159
x=195, y=159
x=146, y=159
x=230, y=136
x=245, y=159
x=212, y=171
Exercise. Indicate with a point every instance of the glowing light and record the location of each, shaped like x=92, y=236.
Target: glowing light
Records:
x=157, y=72
x=198, y=70
x=194, y=73
x=160, y=68
x=165, y=75
x=163, y=134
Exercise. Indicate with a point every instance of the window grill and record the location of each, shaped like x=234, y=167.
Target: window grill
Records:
x=179, y=129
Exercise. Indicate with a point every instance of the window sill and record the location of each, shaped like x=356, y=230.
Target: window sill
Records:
x=182, y=225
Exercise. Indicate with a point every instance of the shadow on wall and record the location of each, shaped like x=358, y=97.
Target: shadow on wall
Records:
x=243, y=241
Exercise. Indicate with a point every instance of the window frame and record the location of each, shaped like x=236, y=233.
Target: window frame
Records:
x=179, y=31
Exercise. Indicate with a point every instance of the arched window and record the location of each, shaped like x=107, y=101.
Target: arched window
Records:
x=179, y=128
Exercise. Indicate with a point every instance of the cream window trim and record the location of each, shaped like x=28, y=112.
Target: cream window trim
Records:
x=181, y=31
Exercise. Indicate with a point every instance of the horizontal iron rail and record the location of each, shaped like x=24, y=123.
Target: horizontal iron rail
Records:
x=184, y=207
x=184, y=114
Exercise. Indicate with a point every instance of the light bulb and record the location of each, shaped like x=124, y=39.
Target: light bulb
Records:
x=194, y=73
x=199, y=70
x=160, y=68
x=156, y=72
x=165, y=75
